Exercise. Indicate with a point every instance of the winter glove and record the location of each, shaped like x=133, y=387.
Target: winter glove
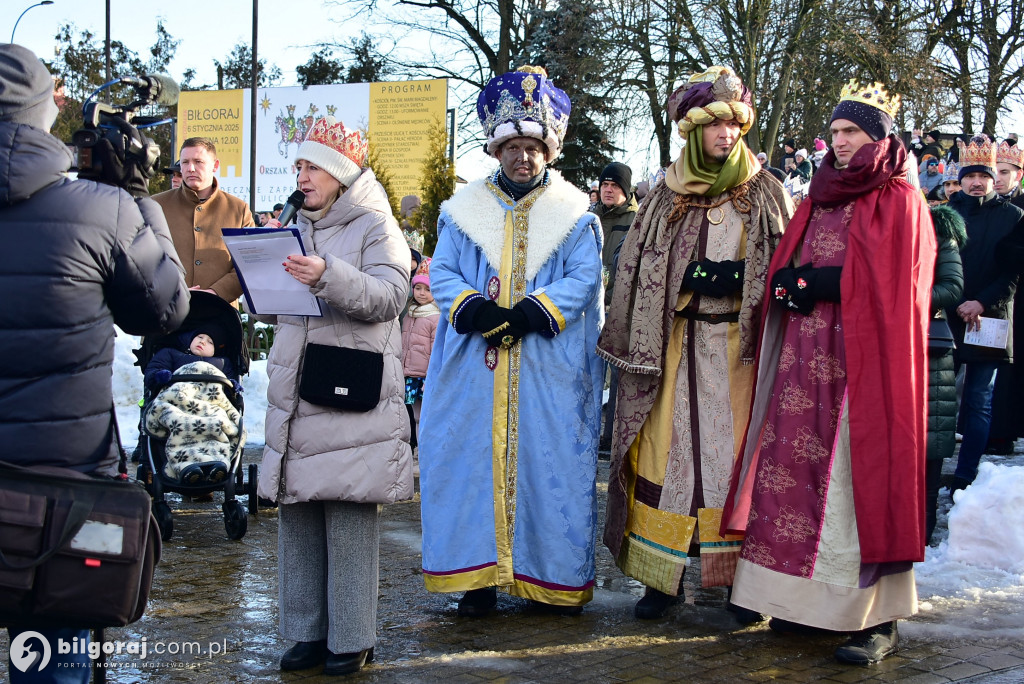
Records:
x=237, y=386
x=823, y=282
x=162, y=376
x=714, y=278
x=799, y=288
x=506, y=336
x=488, y=317
x=790, y=290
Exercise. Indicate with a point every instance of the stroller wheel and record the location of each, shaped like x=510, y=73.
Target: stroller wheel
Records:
x=164, y=520
x=251, y=489
x=235, y=520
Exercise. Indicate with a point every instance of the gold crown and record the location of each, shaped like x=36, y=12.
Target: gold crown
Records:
x=338, y=138
x=873, y=94
x=1007, y=154
x=978, y=155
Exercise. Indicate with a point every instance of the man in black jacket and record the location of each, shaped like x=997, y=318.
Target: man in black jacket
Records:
x=988, y=292
x=79, y=257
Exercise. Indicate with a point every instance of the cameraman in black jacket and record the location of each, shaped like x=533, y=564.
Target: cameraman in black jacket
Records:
x=78, y=257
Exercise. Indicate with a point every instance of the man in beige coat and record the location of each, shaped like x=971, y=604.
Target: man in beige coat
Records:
x=196, y=212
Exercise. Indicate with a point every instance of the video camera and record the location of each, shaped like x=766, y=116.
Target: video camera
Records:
x=111, y=149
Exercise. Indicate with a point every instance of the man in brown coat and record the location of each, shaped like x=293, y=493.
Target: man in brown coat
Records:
x=196, y=212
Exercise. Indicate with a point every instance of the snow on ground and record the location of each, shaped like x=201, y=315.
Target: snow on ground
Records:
x=971, y=582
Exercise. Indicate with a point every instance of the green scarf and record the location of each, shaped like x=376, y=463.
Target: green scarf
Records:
x=691, y=174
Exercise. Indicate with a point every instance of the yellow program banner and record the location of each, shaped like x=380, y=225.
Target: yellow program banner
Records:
x=401, y=116
x=220, y=116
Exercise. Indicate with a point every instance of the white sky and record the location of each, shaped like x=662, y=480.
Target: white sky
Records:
x=289, y=30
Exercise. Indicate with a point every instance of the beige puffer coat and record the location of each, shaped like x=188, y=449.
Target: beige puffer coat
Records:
x=328, y=454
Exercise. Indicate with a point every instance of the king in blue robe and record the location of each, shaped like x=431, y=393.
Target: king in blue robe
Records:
x=509, y=431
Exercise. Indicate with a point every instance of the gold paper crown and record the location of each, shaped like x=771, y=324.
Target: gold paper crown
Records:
x=338, y=138
x=1007, y=154
x=873, y=94
x=978, y=155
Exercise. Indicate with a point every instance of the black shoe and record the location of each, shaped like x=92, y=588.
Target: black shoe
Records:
x=744, y=616
x=217, y=473
x=564, y=611
x=477, y=603
x=959, y=483
x=192, y=475
x=304, y=655
x=999, y=447
x=780, y=626
x=870, y=645
x=347, y=663
x=654, y=605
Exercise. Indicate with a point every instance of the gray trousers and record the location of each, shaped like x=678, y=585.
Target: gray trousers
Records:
x=327, y=564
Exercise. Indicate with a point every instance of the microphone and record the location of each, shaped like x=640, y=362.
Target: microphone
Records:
x=161, y=89
x=292, y=206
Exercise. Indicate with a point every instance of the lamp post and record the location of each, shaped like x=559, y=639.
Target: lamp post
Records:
x=38, y=4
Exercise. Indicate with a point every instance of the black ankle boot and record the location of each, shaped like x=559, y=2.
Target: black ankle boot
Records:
x=870, y=645
x=654, y=605
x=744, y=616
x=477, y=603
x=347, y=663
x=304, y=655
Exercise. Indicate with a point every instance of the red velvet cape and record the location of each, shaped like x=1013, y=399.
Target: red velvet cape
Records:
x=885, y=292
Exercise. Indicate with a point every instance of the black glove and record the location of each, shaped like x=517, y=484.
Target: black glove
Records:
x=488, y=317
x=790, y=289
x=823, y=282
x=506, y=337
x=714, y=278
x=798, y=288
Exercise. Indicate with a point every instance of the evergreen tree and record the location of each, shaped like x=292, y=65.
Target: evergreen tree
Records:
x=321, y=69
x=236, y=71
x=437, y=183
x=383, y=174
x=367, y=65
x=568, y=43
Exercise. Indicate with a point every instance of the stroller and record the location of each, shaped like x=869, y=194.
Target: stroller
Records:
x=206, y=308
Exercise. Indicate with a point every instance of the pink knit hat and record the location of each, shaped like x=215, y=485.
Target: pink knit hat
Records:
x=421, y=278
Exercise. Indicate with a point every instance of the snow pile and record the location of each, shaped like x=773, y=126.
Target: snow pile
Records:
x=973, y=581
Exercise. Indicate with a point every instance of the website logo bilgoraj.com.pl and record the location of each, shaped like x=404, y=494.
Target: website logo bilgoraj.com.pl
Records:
x=31, y=651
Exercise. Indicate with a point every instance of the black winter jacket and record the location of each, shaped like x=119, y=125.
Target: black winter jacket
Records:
x=78, y=257
x=989, y=220
x=946, y=292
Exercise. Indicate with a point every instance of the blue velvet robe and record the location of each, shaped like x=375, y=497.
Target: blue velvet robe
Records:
x=508, y=439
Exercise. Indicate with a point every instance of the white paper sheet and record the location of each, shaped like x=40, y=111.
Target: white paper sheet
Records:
x=258, y=257
x=993, y=333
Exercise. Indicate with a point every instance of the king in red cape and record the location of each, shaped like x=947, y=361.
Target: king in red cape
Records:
x=829, y=487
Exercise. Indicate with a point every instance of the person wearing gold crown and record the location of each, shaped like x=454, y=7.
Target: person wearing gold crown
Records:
x=512, y=400
x=1007, y=402
x=682, y=330
x=829, y=489
x=1009, y=171
x=989, y=286
x=328, y=468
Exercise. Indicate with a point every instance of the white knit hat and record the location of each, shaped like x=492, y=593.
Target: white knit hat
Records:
x=802, y=152
x=334, y=149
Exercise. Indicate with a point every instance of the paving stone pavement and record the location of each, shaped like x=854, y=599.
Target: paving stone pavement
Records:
x=211, y=590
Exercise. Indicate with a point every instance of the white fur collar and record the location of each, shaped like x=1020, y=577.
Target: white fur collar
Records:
x=478, y=213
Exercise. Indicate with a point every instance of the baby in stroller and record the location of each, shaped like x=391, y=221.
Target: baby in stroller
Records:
x=201, y=424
